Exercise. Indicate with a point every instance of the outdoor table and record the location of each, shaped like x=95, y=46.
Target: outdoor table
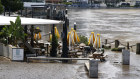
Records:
x=47, y=47
x=73, y=53
x=37, y=50
x=97, y=55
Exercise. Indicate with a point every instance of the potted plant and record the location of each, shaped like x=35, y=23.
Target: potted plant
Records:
x=11, y=35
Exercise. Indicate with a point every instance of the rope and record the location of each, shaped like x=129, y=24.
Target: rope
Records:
x=123, y=44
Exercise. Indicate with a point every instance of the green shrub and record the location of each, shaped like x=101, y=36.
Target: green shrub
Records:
x=116, y=49
x=54, y=44
x=83, y=39
x=67, y=3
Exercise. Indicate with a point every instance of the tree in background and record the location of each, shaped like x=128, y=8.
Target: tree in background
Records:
x=112, y=3
x=13, y=5
x=1, y=7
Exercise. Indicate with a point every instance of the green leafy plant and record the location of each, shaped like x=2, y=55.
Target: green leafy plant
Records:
x=1, y=7
x=13, y=33
x=14, y=5
x=67, y=3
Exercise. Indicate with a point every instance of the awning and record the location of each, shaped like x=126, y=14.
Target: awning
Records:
x=5, y=20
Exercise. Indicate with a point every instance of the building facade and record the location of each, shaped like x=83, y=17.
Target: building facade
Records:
x=29, y=3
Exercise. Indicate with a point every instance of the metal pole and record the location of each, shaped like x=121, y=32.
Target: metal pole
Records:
x=65, y=48
x=21, y=12
x=9, y=12
x=32, y=12
x=75, y=26
x=25, y=31
x=26, y=12
x=32, y=35
x=4, y=10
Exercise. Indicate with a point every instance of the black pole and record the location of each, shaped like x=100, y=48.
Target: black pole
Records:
x=9, y=12
x=25, y=31
x=66, y=11
x=75, y=26
x=54, y=42
x=26, y=12
x=32, y=12
x=48, y=13
x=21, y=12
x=32, y=35
x=4, y=10
x=54, y=14
x=65, y=48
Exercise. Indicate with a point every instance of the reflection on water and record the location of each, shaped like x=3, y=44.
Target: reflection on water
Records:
x=122, y=24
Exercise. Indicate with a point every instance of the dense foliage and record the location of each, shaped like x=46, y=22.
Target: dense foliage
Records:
x=1, y=7
x=54, y=44
x=14, y=5
x=13, y=33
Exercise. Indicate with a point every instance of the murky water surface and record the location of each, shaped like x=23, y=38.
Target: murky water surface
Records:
x=122, y=24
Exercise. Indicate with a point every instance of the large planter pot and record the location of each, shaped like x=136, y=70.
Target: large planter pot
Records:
x=17, y=54
x=12, y=52
x=5, y=51
x=1, y=49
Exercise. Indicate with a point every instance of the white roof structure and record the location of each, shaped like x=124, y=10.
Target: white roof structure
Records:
x=4, y=20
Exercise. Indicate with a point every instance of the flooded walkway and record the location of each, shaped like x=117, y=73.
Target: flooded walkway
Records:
x=111, y=69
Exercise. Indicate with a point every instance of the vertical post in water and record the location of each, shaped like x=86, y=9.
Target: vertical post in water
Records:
x=125, y=57
x=105, y=41
x=75, y=26
x=117, y=43
x=138, y=48
x=128, y=45
x=93, y=68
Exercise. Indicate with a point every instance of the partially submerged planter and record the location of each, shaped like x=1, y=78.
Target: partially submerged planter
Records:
x=1, y=49
x=120, y=48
